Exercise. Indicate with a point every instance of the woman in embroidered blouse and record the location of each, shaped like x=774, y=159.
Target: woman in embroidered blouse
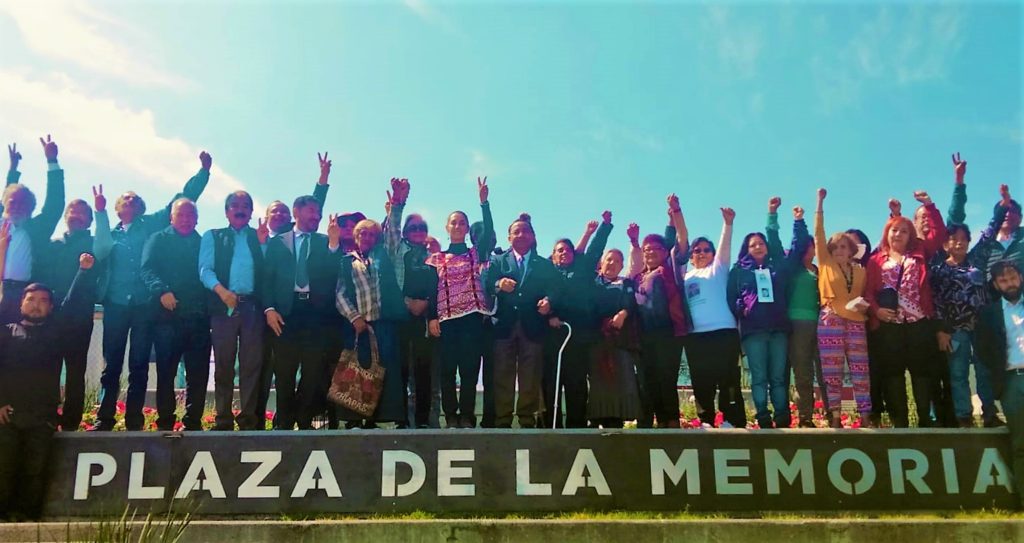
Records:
x=841, y=326
x=578, y=268
x=900, y=299
x=713, y=347
x=663, y=320
x=369, y=296
x=757, y=291
x=458, y=308
x=614, y=393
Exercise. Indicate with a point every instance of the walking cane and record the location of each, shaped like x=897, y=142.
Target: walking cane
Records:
x=558, y=376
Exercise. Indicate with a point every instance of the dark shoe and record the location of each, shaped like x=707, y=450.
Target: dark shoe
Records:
x=875, y=420
x=836, y=421
x=965, y=422
x=806, y=424
x=507, y=425
x=100, y=427
x=994, y=422
x=467, y=423
x=401, y=426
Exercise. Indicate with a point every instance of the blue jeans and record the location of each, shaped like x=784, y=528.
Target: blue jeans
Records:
x=118, y=322
x=960, y=361
x=766, y=358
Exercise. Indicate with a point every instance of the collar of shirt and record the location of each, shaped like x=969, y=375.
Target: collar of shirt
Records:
x=520, y=258
x=1009, y=306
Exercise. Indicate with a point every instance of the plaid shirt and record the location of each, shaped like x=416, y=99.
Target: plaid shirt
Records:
x=366, y=272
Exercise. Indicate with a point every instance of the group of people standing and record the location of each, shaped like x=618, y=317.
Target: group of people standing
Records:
x=279, y=303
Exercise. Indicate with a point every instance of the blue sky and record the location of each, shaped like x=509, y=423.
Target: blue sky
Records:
x=569, y=108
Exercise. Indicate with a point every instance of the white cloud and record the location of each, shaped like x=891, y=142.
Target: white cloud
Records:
x=110, y=139
x=738, y=44
x=429, y=13
x=898, y=47
x=78, y=33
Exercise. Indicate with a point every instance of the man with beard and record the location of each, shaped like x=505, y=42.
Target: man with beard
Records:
x=29, y=235
x=278, y=220
x=170, y=264
x=1000, y=332
x=30, y=361
x=230, y=266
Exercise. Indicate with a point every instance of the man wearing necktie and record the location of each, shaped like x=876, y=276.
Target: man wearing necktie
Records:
x=29, y=235
x=300, y=274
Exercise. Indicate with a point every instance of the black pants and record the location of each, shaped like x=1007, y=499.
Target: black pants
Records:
x=714, y=361
x=902, y=347
x=24, y=452
x=75, y=350
x=301, y=345
x=266, y=376
x=338, y=335
x=487, y=420
x=462, y=347
x=875, y=375
x=658, y=371
x=175, y=339
x=418, y=353
x=238, y=337
x=573, y=382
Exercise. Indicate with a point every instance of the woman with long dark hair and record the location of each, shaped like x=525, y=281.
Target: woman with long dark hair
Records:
x=757, y=289
x=458, y=307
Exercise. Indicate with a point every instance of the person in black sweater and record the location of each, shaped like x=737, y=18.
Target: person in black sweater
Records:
x=30, y=363
x=170, y=270
x=578, y=267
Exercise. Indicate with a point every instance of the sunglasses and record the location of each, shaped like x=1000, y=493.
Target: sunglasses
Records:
x=701, y=250
x=418, y=227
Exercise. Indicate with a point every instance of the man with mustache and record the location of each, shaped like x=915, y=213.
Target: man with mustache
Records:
x=30, y=361
x=127, y=308
x=230, y=267
x=29, y=235
x=1000, y=332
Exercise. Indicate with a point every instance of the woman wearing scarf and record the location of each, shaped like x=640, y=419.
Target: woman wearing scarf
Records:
x=458, y=306
x=757, y=291
x=663, y=320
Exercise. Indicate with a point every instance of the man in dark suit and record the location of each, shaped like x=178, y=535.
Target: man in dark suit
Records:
x=231, y=267
x=300, y=275
x=525, y=285
x=1000, y=334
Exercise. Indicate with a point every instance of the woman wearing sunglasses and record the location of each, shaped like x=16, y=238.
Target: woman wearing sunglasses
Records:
x=713, y=347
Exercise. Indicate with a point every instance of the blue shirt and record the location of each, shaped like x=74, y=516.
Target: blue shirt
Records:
x=18, y=265
x=1013, y=319
x=242, y=274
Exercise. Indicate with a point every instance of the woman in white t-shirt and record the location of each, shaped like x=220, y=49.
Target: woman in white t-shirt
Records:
x=713, y=347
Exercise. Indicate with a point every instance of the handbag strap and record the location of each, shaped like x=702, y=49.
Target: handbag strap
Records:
x=374, y=352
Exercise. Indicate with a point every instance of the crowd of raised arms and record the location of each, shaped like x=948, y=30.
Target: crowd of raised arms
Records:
x=280, y=302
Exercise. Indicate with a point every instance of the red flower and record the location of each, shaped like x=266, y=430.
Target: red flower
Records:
x=120, y=407
x=269, y=415
x=179, y=426
x=819, y=404
x=148, y=411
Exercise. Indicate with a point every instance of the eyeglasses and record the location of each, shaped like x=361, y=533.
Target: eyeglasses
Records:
x=701, y=250
x=417, y=227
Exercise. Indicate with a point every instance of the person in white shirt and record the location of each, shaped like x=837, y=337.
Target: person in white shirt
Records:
x=713, y=347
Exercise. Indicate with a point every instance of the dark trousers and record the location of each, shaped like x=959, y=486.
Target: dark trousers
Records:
x=266, y=376
x=573, y=381
x=241, y=336
x=301, y=345
x=75, y=351
x=10, y=301
x=188, y=338
x=119, y=323
x=1012, y=401
x=419, y=356
x=339, y=335
x=487, y=420
x=714, y=361
x=518, y=359
x=875, y=376
x=658, y=369
x=24, y=452
x=462, y=348
x=902, y=347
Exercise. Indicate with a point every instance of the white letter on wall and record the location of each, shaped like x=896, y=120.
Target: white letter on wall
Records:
x=83, y=479
x=389, y=472
x=662, y=466
x=445, y=472
x=267, y=460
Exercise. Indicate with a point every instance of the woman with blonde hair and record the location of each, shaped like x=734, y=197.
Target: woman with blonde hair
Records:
x=841, y=330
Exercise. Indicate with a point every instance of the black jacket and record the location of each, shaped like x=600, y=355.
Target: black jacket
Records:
x=541, y=280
